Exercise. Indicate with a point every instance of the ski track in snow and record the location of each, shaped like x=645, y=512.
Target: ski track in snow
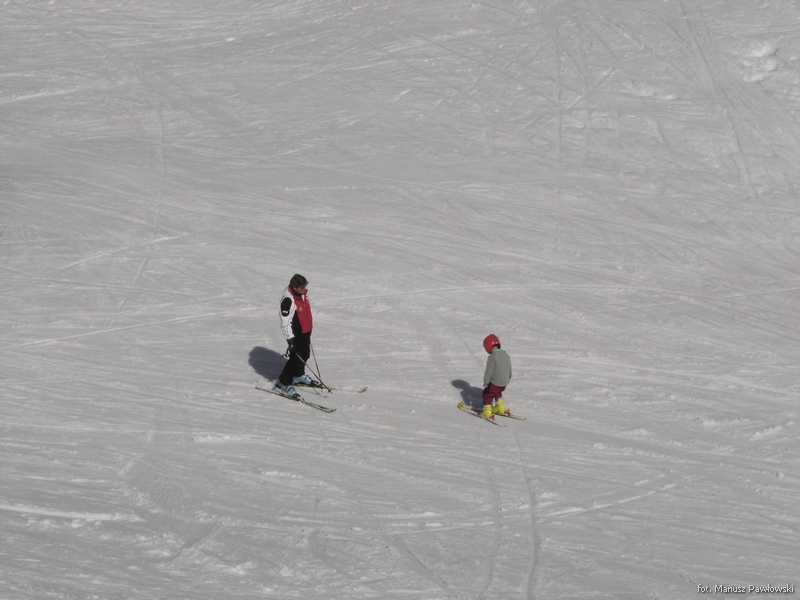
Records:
x=609, y=187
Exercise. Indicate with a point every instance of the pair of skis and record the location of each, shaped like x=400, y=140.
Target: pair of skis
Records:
x=265, y=386
x=477, y=413
x=271, y=389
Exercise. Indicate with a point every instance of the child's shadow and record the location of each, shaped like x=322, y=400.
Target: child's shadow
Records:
x=266, y=362
x=471, y=396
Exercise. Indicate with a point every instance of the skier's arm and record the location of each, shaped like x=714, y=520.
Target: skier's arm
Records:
x=487, y=374
x=287, y=313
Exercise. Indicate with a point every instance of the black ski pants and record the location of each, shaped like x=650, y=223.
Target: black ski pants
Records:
x=298, y=358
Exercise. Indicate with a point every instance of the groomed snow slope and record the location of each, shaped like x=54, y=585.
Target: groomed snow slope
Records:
x=611, y=187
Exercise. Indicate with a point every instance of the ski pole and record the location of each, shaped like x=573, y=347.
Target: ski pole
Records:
x=313, y=371
x=314, y=354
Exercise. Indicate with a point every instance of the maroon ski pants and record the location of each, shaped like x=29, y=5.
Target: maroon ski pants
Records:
x=492, y=392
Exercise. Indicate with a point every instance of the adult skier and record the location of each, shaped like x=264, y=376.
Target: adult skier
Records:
x=296, y=325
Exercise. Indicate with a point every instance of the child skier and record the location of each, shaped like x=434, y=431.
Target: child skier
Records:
x=495, y=378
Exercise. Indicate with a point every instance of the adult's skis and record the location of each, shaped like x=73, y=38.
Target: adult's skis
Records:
x=265, y=387
x=316, y=385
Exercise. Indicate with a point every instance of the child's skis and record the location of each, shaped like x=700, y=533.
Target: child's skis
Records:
x=476, y=413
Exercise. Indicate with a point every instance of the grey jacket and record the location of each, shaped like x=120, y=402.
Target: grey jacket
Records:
x=498, y=369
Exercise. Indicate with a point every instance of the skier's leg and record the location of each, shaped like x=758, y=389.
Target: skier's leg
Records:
x=490, y=392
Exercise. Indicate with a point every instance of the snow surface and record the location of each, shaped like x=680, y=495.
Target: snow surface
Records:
x=609, y=186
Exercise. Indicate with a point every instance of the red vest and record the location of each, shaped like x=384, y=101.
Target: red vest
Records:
x=303, y=313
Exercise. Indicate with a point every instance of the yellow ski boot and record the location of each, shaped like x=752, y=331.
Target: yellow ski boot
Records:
x=487, y=412
x=500, y=408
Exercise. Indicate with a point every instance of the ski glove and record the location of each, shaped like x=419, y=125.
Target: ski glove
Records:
x=290, y=349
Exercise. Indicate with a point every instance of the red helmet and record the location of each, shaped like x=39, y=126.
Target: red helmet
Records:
x=490, y=342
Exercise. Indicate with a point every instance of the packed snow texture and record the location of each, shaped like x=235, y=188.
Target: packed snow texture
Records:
x=610, y=187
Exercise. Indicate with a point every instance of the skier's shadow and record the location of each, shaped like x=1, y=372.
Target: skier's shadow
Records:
x=471, y=396
x=266, y=362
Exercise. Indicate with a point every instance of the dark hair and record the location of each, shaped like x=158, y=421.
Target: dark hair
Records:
x=298, y=281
